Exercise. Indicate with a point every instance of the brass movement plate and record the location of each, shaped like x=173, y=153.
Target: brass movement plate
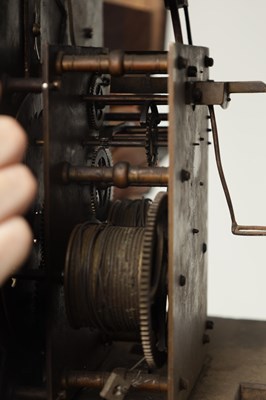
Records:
x=188, y=183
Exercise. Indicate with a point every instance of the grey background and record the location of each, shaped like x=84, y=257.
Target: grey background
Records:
x=235, y=32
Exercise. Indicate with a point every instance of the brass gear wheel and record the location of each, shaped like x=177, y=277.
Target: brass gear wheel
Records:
x=153, y=287
x=151, y=147
x=150, y=119
x=95, y=110
x=100, y=196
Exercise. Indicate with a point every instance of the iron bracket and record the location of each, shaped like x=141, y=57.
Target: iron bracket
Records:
x=218, y=93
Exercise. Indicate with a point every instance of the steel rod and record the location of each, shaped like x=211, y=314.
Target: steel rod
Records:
x=187, y=19
x=123, y=100
x=139, y=84
x=96, y=380
x=135, y=130
x=124, y=143
x=173, y=5
x=129, y=117
x=116, y=63
x=23, y=85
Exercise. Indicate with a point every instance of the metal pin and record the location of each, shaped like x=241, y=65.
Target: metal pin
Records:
x=209, y=324
x=204, y=248
x=206, y=339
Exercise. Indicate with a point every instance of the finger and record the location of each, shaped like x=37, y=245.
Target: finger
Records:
x=17, y=190
x=15, y=245
x=13, y=141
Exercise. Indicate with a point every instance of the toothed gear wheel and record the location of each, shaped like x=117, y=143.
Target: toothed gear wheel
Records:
x=153, y=287
x=151, y=147
x=150, y=119
x=95, y=110
x=100, y=196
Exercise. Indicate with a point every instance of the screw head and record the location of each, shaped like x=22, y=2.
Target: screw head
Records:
x=184, y=175
x=88, y=33
x=208, y=61
x=204, y=248
x=182, y=280
x=181, y=62
x=192, y=71
x=209, y=324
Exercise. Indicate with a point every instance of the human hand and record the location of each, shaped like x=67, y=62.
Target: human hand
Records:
x=17, y=191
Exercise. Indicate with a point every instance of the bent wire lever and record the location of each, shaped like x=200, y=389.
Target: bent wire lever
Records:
x=241, y=230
